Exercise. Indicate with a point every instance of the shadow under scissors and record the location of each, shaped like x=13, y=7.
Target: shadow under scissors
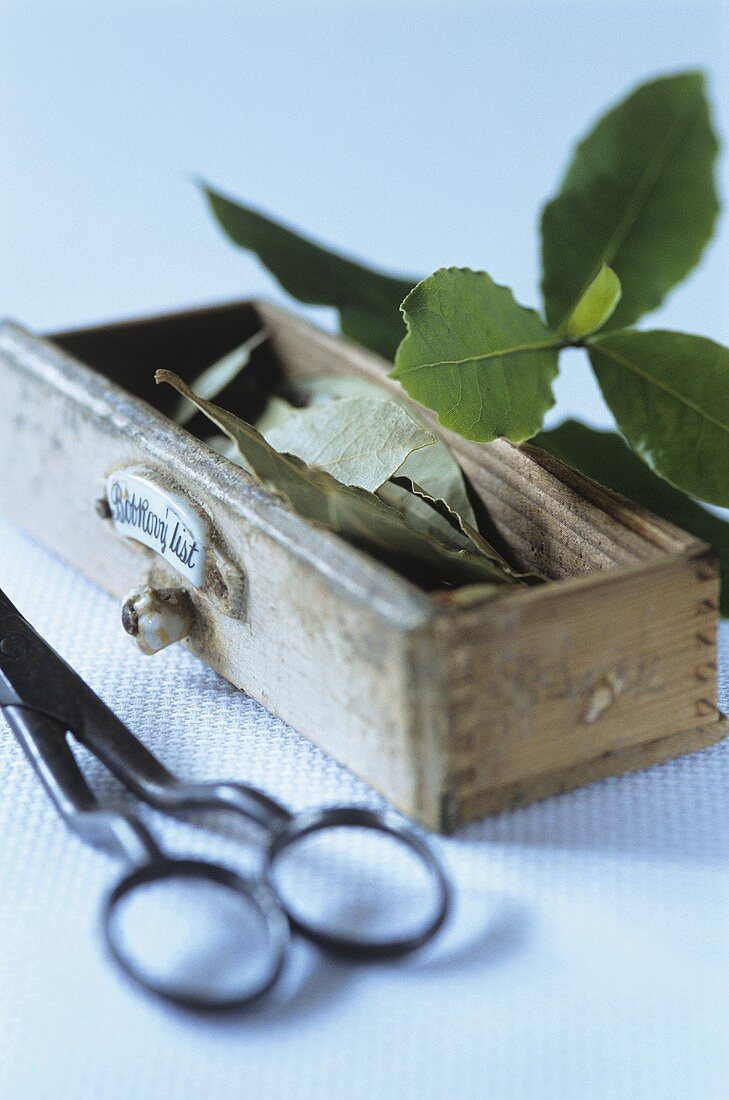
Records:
x=44, y=701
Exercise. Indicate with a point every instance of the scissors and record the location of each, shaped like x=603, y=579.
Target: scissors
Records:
x=45, y=702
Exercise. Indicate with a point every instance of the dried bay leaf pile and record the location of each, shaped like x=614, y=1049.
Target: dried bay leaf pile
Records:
x=353, y=460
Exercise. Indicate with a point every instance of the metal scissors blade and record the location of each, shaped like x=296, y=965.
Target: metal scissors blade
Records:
x=45, y=701
x=32, y=675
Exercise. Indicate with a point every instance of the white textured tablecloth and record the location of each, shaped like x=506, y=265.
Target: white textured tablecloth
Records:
x=588, y=959
x=587, y=956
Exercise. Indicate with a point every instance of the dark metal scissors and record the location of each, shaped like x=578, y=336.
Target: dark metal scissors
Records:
x=45, y=701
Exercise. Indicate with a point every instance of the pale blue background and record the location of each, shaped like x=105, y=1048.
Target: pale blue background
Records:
x=414, y=135
x=411, y=134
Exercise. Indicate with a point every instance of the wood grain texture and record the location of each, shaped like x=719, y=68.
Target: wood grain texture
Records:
x=562, y=675
x=450, y=712
x=631, y=758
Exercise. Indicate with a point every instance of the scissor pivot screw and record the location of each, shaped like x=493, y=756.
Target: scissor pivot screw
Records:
x=157, y=617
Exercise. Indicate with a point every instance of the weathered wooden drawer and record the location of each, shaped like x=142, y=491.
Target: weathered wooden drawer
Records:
x=450, y=711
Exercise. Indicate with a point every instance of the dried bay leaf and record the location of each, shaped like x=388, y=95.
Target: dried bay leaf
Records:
x=220, y=444
x=433, y=467
x=355, y=514
x=436, y=470
x=275, y=414
x=461, y=529
x=216, y=377
x=420, y=516
x=343, y=411
x=358, y=440
x=319, y=388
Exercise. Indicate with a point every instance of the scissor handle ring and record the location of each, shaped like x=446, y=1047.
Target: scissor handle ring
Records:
x=314, y=821
x=258, y=896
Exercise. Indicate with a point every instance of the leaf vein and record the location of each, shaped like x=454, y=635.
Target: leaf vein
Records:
x=647, y=377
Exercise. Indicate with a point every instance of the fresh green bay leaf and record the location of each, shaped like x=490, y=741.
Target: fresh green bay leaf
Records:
x=595, y=306
x=476, y=357
x=357, y=515
x=605, y=457
x=368, y=301
x=358, y=440
x=639, y=195
x=669, y=394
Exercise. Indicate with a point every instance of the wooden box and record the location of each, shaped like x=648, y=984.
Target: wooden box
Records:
x=452, y=712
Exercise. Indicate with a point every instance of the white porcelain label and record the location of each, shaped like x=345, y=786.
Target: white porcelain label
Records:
x=161, y=519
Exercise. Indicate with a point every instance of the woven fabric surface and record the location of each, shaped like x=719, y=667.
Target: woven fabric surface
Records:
x=587, y=956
